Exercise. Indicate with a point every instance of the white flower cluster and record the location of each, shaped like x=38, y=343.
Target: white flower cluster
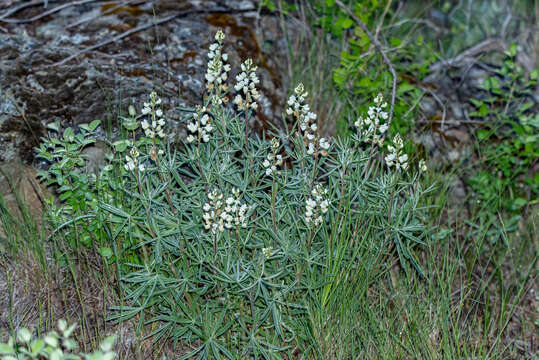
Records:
x=397, y=158
x=219, y=214
x=422, y=165
x=296, y=107
x=157, y=121
x=236, y=210
x=246, y=82
x=370, y=128
x=316, y=205
x=200, y=127
x=132, y=162
x=273, y=160
x=267, y=252
x=217, y=71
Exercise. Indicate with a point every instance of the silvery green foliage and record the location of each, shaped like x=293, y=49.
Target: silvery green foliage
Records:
x=224, y=241
x=53, y=346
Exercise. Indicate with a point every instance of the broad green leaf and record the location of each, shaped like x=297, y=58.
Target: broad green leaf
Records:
x=24, y=335
x=106, y=253
x=121, y=145
x=54, y=126
x=69, y=134
x=483, y=134
x=6, y=349
x=344, y=23
x=94, y=124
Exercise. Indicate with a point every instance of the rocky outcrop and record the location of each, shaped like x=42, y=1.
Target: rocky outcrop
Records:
x=38, y=87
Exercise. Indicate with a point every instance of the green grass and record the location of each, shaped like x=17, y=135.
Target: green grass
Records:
x=480, y=262
x=474, y=284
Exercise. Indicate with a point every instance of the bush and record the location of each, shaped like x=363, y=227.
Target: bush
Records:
x=223, y=243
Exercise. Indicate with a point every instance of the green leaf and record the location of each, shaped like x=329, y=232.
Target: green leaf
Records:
x=483, y=134
x=518, y=203
x=525, y=106
x=62, y=325
x=69, y=331
x=56, y=354
x=69, y=134
x=109, y=356
x=483, y=110
x=108, y=343
x=24, y=335
x=114, y=210
x=37, y=346
x=54, y=126
x=121, y=145
x=51, y=340
x=512, y=50
x=395, y=42
x=65, y=196
x=344, y=23
x=130, y=124
x=106, y=253
x=94, y=124
x=6, y=349
x=405, y=87
x=339, y=76
x=491, y=83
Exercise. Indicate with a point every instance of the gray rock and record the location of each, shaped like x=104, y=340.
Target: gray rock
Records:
x=100, y=84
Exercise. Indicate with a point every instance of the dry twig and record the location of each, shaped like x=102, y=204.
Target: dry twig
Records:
x=469, y=54
x=16, y=9
x=380, y=50
x=43, y=14
x=107, y=12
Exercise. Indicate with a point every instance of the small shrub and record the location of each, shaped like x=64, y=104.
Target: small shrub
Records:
x=223, y=243
x=509, y=140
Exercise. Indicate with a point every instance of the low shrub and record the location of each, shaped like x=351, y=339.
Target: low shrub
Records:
x=223, y=243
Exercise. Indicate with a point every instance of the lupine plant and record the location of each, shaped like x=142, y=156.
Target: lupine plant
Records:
x=53, y=346
x=236, y=234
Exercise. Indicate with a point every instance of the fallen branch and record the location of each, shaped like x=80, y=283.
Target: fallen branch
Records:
x=380, y=50
x=147, y=26
x=107, y=12
x=16, y=9
x=43, y=14
x=469, y=54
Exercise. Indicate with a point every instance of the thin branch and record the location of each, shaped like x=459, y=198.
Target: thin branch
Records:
x=107, y=12
x=381, y=22
x=380, y=50
x=147, y=26
x=491, y=44
x=45, y=13
x=16, y=9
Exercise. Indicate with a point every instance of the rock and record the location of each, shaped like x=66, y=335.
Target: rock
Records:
x=95, y=156
x=169, y=58
x=457, y=136
x=457, y=190
x=22, y=192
